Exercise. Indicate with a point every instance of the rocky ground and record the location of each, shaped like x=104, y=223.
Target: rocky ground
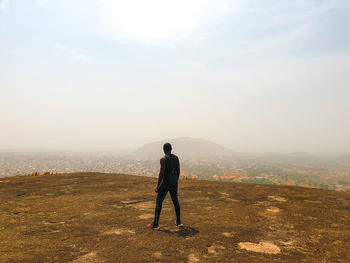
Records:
x=93, y=217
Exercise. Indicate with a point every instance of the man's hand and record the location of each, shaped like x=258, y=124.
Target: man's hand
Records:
x=157, y=189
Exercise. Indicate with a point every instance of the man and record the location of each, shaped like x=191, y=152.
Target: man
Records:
x=167, y=181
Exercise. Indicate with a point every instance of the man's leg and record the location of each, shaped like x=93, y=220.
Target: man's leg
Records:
x=163, y=190
x=173, y=194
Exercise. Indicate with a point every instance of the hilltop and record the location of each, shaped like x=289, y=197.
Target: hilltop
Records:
x=95, y=217
x=185, y=147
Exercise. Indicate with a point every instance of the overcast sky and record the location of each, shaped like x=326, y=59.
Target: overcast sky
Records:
x=253, y=75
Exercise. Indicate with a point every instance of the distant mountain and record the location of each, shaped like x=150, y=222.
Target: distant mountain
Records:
x=184, y=147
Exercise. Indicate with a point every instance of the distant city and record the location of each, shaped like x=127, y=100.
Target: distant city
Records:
x=246, y=170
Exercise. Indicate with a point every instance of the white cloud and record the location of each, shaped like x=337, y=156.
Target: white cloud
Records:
x=74, y=54
x=167, y=22
x=159, y=22
x=4, y=3
x=151, y=22
x=42, y=3
x=285, y=40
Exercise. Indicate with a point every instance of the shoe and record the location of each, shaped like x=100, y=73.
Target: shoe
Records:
x=153, y=226
x=179, y=224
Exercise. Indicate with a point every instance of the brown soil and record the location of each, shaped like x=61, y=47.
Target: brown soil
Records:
x=94, y=217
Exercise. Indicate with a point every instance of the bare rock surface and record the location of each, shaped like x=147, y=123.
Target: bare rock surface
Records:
x=95, y=217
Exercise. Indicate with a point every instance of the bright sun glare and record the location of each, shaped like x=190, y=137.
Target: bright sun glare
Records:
x=159, y=21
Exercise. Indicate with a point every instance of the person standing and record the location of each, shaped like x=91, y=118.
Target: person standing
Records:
x=167, y=182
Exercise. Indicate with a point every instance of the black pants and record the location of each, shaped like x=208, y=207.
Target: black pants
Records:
x=163, y=190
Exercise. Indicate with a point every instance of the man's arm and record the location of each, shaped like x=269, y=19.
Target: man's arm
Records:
x=161, y=173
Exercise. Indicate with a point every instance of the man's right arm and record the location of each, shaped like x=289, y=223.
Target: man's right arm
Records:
x=161, y=173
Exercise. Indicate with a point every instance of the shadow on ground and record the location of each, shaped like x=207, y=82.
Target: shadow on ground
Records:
x=185, y=231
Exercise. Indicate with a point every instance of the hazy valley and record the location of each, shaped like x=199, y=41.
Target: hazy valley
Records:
x=200, y=159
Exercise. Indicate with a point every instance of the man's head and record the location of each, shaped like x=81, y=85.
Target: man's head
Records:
x=167, y=147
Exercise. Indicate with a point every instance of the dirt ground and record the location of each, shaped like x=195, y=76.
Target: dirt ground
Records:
x=94, y=217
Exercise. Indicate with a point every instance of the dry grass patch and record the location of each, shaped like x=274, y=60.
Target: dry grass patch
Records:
x=261, y=247
x=118, y=231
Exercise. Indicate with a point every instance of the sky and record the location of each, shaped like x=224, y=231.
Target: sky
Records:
x=253, y=75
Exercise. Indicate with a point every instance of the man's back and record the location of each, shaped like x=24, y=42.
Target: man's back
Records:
x=172, y=168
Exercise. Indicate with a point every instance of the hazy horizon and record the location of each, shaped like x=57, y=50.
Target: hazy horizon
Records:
x=126, y=152
x=253, y=76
